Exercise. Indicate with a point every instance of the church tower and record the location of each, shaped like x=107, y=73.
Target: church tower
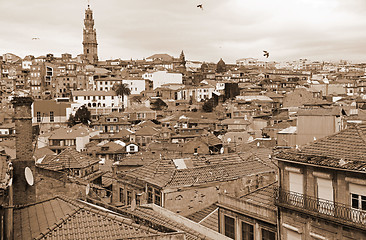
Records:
x=90, y=38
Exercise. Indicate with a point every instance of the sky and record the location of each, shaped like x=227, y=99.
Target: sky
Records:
x=318, y=30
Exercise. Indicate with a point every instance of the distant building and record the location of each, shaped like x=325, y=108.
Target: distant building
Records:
x=50, y=112
x=98, y=102
x=76, y=137
x=163, y=77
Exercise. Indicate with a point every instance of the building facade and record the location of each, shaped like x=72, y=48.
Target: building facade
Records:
x=322, y=193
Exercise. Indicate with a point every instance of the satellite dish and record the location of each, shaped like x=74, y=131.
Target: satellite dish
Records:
x=229, y=140
x=29, y=176
x=87, y=189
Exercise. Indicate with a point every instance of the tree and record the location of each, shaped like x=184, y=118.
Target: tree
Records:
x=122, y=90
x=82, y=115
x=158, y=105
x=221, y=66
x=208, y=105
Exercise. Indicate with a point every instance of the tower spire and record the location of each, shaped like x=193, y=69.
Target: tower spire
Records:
x=90, y=45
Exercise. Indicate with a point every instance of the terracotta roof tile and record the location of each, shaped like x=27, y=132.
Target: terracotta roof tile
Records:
x=345, y=150
x=225, y=167
x=207, y=217
x=60, y=218
x=68, y=158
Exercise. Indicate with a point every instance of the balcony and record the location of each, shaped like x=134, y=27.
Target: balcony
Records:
x=255, y=209
x=331, y=211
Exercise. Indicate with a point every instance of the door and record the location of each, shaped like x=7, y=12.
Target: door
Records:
x=296, y=181
x=325, y=196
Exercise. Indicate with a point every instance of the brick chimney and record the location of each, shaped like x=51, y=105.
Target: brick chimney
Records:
x=23, y=192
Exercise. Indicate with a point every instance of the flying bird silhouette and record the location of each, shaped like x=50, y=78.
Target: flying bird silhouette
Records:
x=200, y=6
x=35, y=38
x=266, y=54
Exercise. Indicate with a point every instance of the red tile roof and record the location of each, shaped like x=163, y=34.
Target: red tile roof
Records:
x=344, y=150
x=68, y=158
x=217, y=168
x=207, y=217
x=62, y=218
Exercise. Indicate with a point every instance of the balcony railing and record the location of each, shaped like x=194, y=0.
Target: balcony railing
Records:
x=336, y=212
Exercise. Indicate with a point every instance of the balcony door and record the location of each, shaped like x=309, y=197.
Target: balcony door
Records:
x=325, y=196
x=296, y=188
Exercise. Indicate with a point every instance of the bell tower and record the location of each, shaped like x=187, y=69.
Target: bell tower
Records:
x=90, y=38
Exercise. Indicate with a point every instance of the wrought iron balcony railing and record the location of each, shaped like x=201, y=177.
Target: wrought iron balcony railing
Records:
x=336, y=212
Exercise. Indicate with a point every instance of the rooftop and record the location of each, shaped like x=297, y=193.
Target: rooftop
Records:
x=344, y=150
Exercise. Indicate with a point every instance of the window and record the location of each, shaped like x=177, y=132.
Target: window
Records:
x=358, y=196
x=268, y=235
x=157, y=197
x=229, y=224
x=52, y=117
x=137, y=198
x=132, y=148
x=129, y=197
x=76, y=172
x=325, y=189
x=247, y=231
x=121, y=196
x=292, y=235
x=149, y=195
x=358, y=201
x=296, y=182
x=38, y=116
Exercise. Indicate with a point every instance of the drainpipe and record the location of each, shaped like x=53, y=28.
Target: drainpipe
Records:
x=9, y=212
x=278, y=193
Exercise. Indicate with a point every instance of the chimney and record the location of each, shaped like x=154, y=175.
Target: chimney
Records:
x=23, y=192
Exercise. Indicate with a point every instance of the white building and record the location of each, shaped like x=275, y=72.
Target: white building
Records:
x=26, y=63
x=248, y=62
x=196, y=93
x=106, y=84
x=98, y=102
x=136, y=85
x=163, y=77
x=193, y=65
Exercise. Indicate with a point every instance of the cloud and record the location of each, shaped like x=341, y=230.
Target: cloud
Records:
x=230, y=29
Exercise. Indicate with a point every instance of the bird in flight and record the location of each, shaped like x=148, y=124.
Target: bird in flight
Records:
x=266, y=54
x=35, y=38
x=200, y=6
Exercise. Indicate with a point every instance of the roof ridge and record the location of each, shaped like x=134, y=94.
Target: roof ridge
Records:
x=34, y=203
x=171, y=177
